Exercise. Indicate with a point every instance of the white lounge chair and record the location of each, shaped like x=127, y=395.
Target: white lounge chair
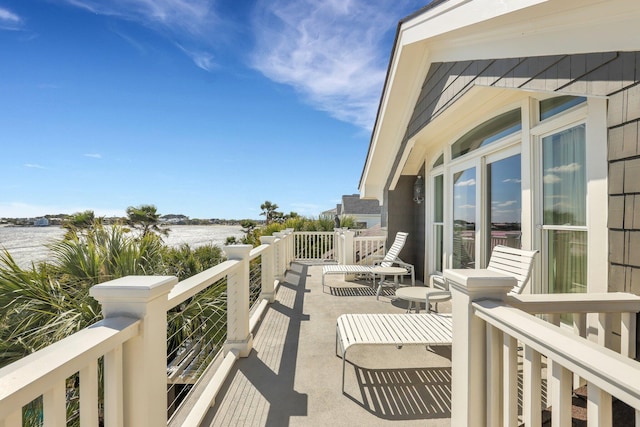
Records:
x=389, y=260
x=504, y=259
x=430, y=330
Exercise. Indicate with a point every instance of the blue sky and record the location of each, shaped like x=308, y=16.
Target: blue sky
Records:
x=203, y=107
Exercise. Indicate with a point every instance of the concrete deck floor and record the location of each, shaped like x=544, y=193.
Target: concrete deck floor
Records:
x=293, y=376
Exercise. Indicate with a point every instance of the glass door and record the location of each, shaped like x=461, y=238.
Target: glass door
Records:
x=464, y=218
x=503, y=203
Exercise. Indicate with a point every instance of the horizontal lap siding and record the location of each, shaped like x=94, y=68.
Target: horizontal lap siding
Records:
x=611, y=74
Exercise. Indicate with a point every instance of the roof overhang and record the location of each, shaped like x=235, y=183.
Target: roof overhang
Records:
x=458, y=30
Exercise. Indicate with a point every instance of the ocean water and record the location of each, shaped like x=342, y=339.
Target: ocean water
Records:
x=29, y=244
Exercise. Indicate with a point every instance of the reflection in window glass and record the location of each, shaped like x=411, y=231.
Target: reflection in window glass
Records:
x=564, y=177
x=464, y=219
x=567, y=261
x=564, y=193
x=438, y=218
x=551, y=107
x=488, y=132
x=504, y=204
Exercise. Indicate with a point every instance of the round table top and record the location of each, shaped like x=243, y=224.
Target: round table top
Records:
x=419, y=294
x=389, y=270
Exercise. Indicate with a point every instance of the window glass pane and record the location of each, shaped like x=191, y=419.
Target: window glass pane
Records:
x=437, y=231
x=438, y=218
x=439, y=161
x=551, y=107
x=504, y=204
x=488, y=132
x=564, y=177
x=464, y=217
x=438, y=198
x=567, y=261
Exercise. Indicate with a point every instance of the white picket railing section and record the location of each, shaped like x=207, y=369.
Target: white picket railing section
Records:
x=570, y=358
x=491, y=326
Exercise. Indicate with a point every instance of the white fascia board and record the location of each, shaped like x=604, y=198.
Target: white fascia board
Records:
x=552, y=27
x=456, y=14
x=406, y=75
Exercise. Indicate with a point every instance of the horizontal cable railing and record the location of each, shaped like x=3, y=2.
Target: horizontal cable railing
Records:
x=568, y=357
x=43, y=388
x=116, y=372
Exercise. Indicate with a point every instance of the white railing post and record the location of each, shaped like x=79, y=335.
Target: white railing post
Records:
x=337, y=245
x=239, y=337
x=280, y=255
x=289, y=240
x=349, y=236
x=268, y=277
x=144, y=358
x=468, y=362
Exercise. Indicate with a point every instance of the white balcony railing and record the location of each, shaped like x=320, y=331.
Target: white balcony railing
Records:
x=132, y=342
x=490, y=329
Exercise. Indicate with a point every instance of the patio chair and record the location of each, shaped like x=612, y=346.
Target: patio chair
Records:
x=389, y=260
x=511, y=261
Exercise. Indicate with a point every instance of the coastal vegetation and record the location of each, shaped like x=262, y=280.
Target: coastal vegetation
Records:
x=50, y=300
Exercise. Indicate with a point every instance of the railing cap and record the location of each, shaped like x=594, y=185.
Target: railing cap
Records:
x=267, y=239
x=237, y=251
x=133, y=288
x=472, y=281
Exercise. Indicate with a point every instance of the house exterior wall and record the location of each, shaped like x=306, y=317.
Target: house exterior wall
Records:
x=405, y=215
x=614, y=75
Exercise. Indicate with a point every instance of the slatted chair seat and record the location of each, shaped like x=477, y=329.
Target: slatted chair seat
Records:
x=391, y=329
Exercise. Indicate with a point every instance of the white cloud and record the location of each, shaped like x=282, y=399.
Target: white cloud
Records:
x=551, y=178
x=9, y=20
x=507, y=203
x=571, y=167
x=94, y=155
x=514, y=180
x=33, y=166
x=468, y=183
x=202, y=59
x=332, y=52
x=184, y=22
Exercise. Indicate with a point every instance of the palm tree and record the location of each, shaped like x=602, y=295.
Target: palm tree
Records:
x=145, y=218
x=269, y=210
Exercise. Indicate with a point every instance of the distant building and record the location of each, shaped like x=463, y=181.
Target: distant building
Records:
x=366, y=213
x=41, y=222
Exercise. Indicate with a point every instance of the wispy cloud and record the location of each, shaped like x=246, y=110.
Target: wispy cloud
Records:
x=331, y=51
x=468, y=183
x=202, y=59
x=514, y=180
x=94, y=155
x=9, y=20
x=571, y=167
x=551, y=178
x=184, y=22
x=33, y=166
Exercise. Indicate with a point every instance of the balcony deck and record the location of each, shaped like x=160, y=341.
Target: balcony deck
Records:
x=293, y=377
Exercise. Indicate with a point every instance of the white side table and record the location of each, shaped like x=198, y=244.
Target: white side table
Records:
x=387, y=271
x=418, y=294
